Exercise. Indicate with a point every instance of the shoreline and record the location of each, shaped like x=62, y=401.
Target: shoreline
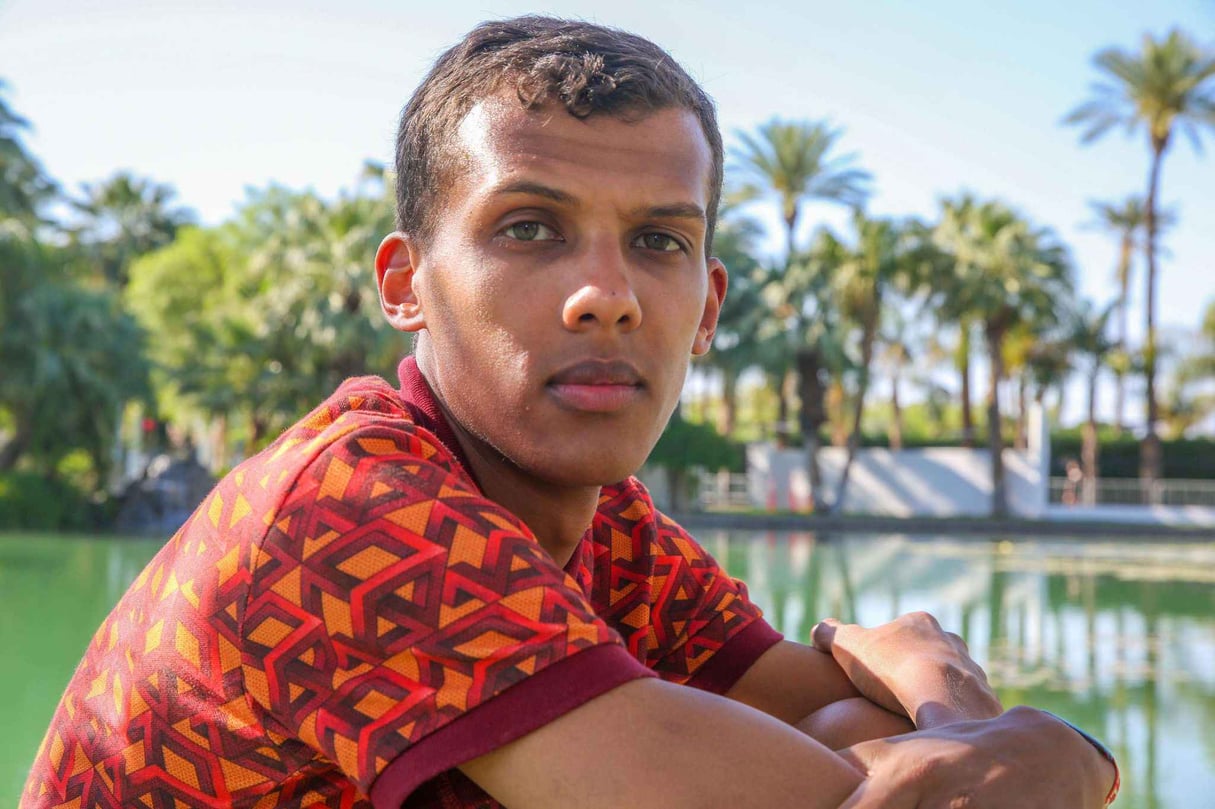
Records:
x=876, y=524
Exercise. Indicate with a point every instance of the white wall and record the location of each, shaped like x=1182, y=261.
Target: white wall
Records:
x=938, y=481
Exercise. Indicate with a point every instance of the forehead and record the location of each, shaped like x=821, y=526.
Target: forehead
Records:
x=660, y=153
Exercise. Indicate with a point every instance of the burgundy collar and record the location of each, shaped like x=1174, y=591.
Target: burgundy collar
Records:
x=421, y=401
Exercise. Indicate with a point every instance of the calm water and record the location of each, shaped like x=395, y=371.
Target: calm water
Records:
x=1119, y=637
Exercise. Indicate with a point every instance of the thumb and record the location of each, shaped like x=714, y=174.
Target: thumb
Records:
x=823, y=634
x=882, y=791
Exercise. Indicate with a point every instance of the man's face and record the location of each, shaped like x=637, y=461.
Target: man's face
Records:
x=565, y=286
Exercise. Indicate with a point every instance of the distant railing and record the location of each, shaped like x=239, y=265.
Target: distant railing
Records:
x=722, y=490
x=1131, y=492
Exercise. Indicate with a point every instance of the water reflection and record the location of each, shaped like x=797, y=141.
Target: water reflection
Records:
x=1118, y=637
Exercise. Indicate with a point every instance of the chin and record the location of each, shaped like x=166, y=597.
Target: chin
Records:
x=587, y=471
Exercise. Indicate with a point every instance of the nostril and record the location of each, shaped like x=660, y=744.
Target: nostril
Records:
x=586, y=317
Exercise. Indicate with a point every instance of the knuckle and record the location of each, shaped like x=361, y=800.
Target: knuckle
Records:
x=922, y=618
x=963, y=800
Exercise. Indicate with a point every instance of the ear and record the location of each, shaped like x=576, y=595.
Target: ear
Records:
x=715, y=295
x=395, y=261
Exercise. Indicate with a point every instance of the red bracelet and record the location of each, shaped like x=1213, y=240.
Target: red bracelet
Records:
x=1103, y=750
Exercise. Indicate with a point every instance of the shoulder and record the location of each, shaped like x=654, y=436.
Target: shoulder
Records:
x=365, y=418
x=627, y=508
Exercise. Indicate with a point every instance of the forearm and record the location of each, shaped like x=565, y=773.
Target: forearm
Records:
x=851, y=721
x=653, y=744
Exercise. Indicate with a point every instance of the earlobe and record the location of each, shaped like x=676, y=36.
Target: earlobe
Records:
x=715, y=295
x=395, y=263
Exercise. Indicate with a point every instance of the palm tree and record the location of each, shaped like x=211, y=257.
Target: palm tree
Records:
x=1087, y=336
x=1006, y=273
x=24, y=187
x=737, y=345
x=886, y=257
x=126, y=217
x=792, y=161
x=965, y=321
x=804, y=326
x=1169, y=86
x=1124, y=219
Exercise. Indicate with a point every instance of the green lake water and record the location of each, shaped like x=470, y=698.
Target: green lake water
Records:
x=1118, y=637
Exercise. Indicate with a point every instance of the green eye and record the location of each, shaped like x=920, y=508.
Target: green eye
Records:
x=660, y=241
x=530, y=232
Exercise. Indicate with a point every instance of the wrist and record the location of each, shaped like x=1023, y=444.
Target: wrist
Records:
x=958, y=693
x=1107, y=766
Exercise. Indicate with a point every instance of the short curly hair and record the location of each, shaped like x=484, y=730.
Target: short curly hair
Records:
x=585, y=67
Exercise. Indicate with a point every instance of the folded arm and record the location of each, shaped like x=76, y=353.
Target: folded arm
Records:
x=654, y=744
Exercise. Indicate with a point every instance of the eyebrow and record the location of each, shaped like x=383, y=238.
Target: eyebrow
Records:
x=678, y=210
x=536, y=190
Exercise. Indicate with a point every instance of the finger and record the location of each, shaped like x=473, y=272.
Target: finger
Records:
x=823, y=634
x=864, y=756
x=882, y=794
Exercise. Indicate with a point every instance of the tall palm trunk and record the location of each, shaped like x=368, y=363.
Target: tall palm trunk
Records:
x=12, y=451
x=994, y=333
x=1124, y=283
x=896, y=419
x=1021, y=439
x=776, y=382
x=729, y=401
x=1150, y=460
x=1088, y=443
x=962, y=363
x=858, y=410
x=809, y=373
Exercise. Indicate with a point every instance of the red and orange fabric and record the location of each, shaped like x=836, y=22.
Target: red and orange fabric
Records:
x=346, y=618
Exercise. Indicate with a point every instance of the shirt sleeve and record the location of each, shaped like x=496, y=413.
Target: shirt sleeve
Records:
x=673, y=603
x=399, y=623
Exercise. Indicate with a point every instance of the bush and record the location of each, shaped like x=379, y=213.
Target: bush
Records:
x=1187, y=458
x=31, y=502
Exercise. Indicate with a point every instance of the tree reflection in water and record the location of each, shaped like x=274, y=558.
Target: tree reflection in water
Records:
x=1118, y=637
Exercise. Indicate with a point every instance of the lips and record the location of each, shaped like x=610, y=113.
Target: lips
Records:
x=597, y=386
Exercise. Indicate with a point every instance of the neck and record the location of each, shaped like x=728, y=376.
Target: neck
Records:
x=557, y=515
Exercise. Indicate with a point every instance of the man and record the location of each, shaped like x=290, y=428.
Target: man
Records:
x=454, y=594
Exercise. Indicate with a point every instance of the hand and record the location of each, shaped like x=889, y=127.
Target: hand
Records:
x=911, y=666
x=1022, y=758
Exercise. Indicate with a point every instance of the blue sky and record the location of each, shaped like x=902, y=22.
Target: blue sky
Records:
x=935, y=97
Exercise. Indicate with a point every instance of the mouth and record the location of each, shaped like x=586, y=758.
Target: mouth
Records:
x=597, y=386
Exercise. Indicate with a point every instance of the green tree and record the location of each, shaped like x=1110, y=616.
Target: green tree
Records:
x=794, y=162
x=886, y=259
x=805, y=323
x=1005, y=273
x=71, y=357
x=737, y=344
x=123, y=218
x=964, y=321
x=1124, y=220
x=193, y=299
x=1086, y=334
x=24, y=186
x=1191, y=400
x=1167, y=86
x=262, y=317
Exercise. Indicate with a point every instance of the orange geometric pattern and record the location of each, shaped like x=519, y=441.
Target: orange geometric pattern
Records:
x=337, y=607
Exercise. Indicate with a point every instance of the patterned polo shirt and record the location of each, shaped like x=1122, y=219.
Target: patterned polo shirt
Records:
x=346, y=618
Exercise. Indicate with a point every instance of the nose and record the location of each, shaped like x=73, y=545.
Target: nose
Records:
x=604, y=297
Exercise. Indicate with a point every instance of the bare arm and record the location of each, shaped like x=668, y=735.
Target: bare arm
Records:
x=653, y=744
x=806, y=688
